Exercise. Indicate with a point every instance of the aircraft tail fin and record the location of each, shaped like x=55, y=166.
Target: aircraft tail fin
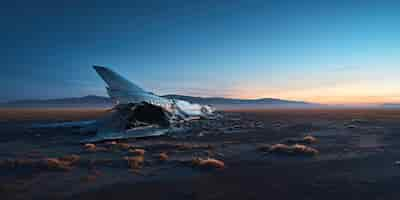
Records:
x=115, y=81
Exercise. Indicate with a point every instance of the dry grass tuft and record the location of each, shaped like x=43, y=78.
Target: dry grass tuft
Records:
x=208, y=163
x=296, y=149
x=303, y=149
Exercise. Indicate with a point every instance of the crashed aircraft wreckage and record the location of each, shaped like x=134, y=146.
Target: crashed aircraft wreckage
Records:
x=137, y=113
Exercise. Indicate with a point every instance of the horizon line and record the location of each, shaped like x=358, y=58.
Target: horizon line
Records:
x=228, y=97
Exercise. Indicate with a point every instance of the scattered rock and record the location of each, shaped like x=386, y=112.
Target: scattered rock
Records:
x=90, y=147
x=208, y=163
x=139, y=152
x=352, y=126
x=163, y=156
x=305, y=140
x=303, y=149
x=135, y=162
x=310, y=139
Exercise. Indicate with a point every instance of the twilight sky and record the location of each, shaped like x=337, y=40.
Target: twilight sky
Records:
x=318, y=51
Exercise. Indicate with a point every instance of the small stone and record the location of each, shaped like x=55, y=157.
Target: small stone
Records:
x=163, y=156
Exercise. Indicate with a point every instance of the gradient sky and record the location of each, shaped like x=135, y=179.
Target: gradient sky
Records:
x=318, y=51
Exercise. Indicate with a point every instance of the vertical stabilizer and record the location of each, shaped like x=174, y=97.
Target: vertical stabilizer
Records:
x=115, y=81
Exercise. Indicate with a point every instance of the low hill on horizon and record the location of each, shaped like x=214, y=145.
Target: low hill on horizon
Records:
x=391, y=105
x=85, y=101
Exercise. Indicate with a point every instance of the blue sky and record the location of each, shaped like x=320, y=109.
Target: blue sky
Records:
x=320, y=51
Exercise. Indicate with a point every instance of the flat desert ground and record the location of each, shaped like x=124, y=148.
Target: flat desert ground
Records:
x=355, y=155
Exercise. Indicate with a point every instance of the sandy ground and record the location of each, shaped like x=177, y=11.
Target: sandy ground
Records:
x=33, y=114
x=357, y=155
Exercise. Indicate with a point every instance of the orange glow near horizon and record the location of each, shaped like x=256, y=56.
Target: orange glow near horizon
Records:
x=348, y=94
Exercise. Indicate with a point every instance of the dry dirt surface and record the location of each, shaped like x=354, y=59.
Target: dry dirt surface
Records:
x=51, y=114
x=252, y=154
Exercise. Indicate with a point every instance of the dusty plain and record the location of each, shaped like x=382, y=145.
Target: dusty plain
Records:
x=357, y=157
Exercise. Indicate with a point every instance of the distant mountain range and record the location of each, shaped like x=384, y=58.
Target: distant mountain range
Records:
x=219, y=102
x=249, y=103
x=86, y=101
x=391, y=105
